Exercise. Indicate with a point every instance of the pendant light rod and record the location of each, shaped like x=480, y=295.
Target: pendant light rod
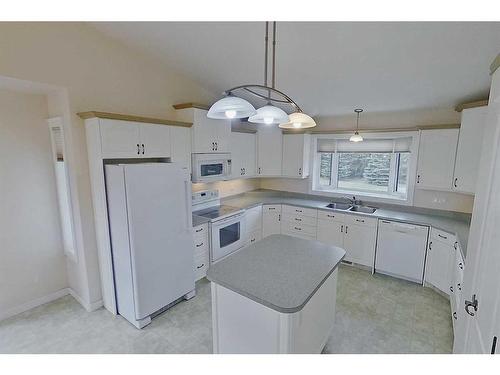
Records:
x=274, y=55
x=358, y=111
x=266, y=53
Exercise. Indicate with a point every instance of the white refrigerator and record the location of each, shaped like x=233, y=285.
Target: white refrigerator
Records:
x=150, y=222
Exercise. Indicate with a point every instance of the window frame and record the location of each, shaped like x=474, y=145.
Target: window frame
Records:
x=316, y=188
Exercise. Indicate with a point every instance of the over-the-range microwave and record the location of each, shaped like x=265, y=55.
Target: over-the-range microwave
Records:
x=211, y=167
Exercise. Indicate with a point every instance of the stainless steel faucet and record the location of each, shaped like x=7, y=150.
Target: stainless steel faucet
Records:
x=354, y=201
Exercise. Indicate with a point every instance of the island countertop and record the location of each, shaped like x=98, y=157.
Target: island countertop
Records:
x=280, y=272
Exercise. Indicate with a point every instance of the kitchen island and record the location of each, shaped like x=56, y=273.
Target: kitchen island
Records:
x=275, y=296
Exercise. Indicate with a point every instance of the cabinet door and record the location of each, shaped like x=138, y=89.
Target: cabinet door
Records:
x=269, y=151
x=436, y=158
x=470, y=141
x=242, y=155
x=440, y=257
x=331, y=232
x=293, y=155
x=204, y=132
x=359, y=244
x=155, y=140
x=120, y=139
x=271, y=223
x=180, y=146
x=253, y=217
x=222, y=135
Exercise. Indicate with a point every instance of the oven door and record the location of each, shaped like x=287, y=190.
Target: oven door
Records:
x=228, y=235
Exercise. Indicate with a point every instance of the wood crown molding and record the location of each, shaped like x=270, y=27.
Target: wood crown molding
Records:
x=495, y=64
x=477, y=103
x=117, y=116
x=347, y=131
x=191, y=105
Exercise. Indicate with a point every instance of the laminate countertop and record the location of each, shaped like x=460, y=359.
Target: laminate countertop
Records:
x=454, y=223
x=280, y=272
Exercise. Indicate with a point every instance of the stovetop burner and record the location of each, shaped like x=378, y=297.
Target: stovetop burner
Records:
x=216, y=212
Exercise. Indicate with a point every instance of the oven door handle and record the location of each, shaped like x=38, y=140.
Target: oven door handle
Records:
x=233, y=218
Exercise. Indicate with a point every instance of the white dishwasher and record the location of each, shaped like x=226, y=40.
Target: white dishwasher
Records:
x=401, y=250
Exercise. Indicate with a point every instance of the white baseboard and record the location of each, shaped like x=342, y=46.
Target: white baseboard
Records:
x=89, y=306
x=34, y=303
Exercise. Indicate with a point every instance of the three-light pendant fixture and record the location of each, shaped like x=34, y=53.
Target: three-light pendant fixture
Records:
x=235, y=106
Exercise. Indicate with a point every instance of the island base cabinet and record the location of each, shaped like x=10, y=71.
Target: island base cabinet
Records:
x=243, y=326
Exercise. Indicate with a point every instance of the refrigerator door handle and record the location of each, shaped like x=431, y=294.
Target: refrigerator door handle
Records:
x=189, y=216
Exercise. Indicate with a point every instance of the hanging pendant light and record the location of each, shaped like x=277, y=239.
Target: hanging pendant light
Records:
x=231, y=107
x=356, y=137
x=268, y=115
x=298, y=120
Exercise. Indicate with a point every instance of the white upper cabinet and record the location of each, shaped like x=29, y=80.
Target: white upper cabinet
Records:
x=155, y=140
x=243, y=147
x=296, y=148
x=180, y=138
x=208, y=135
x=436, y=159
x=130, y=139
x=120, y=139
x=468, y=151
x=269, y=151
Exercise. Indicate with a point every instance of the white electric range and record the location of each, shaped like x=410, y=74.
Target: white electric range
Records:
x=226, y=225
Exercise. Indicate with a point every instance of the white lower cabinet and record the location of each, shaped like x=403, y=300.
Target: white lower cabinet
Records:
x=201, y=251
x=271, y=219
x=355, y=234
x=299, y=222
x=253, y=220
x=439, y=262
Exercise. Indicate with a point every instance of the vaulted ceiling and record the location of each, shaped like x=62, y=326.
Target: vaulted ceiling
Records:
x=329, y=68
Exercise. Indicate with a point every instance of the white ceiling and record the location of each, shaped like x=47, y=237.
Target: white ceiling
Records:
x=329, y=68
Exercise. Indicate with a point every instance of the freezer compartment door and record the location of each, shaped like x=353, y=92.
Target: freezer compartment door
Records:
x=161, y=243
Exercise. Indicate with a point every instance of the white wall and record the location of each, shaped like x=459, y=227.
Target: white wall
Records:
x=32, y=263
x=228, y=188
x=97, y=73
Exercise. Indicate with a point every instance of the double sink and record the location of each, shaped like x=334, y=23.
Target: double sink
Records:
x=351, y=208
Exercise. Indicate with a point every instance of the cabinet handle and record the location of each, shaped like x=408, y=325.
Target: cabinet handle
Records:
x=418, y=179
x=143, y=148
x=455, y=245
x=252, y=240
x=259, y=170
x=198, y=230
x=200, y=266
x=279, y=217
x=216, y=146
x=455, y=182
x=297, y=219
x=494, y=345
x=460, y=265
x=430, y=245
x=244, y=171
x=330, y=215
x=346, y=229
x=455, y=315
x=444, y=237
x=213, y=146
x=459, y=286
x=271, y=208
x=298, y=210
x=201, y=244
x=360, y=220
x=138, y=149
x=341, y=229
x=451, y=289
x=297, y=228
x=300, y=171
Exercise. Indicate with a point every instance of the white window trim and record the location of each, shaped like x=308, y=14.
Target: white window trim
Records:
x=370, y=197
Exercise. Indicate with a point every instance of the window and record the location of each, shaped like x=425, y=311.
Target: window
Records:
x=375, y=167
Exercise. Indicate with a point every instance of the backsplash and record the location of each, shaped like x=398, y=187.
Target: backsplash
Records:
x=437, y=200
x=228, y=188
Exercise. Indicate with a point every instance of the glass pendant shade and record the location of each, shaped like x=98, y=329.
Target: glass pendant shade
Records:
x=299, y=120
x=356, y=137
x=231, y=107
x=268, y=115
